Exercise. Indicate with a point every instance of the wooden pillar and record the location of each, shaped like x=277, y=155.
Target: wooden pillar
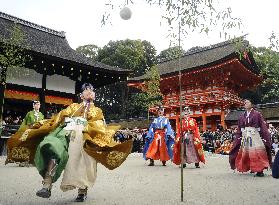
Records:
x=42, y=96
x=203, y=121
x=124, y=98
x=2, y=91
x=2, y=97
x=78, y=85
x=223, y=118
x=213, y=123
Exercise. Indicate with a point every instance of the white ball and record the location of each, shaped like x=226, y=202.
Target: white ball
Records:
x=125, y=13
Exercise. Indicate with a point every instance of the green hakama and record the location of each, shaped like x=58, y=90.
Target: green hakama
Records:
x=54, y=146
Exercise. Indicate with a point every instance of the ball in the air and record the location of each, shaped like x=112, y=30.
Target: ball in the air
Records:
x=125, y=13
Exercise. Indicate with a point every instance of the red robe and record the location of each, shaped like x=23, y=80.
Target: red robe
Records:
x=158, y=149
x=188, y=125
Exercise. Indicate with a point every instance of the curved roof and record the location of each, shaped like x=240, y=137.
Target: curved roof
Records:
x=206, y=56
x=49, y=42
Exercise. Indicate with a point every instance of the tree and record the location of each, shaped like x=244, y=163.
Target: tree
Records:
x=139, y=103
x=150, y=53
x=181, y=16
x=135, y=55
x=268, y=62
x=152, y=84
x=170, y=53
x=12, y=55
x=111, y=99
x=90, y=51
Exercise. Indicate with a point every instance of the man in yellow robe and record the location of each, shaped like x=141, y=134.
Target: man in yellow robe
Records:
x=76, y=134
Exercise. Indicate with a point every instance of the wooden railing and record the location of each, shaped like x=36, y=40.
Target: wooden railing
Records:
x=203, y=97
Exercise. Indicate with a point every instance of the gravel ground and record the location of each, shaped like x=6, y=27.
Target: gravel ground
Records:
x=134, y=183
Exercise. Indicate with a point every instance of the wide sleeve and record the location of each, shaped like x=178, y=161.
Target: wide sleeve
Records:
x=150, y=131
x=43, y=127
x=99, y=141
x=236, y=144
x=95, y=121
x=265, y=134
x=24, y=122
x=97, y=132
x=238, y=134
x=27, y=140
x=196, y=131
x=169, y=129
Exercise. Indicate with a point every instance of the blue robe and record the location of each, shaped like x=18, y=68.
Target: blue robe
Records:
x=160, y=123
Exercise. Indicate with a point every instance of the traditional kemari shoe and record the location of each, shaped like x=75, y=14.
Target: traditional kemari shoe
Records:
x=45, y=192
x=151, y=162
x=184, y=165
x=82, y=195
x=260, y=174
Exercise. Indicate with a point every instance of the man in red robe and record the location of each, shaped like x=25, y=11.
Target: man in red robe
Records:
x=193, y=152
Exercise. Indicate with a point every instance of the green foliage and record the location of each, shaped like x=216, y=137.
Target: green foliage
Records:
x=111, y=99
x=90, y=51
x=152, y=84
x=135, y=55
x=268, y=63
x=170, y=53
x=139, y=103
x=150, y=53
x=12, y=55
x=13, y=49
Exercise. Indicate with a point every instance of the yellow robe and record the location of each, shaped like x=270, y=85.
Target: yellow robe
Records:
x=99, y=142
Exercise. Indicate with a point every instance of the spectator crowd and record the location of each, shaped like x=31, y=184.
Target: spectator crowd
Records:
x=218, y=142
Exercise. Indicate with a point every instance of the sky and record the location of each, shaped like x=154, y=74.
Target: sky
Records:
x=81, y=20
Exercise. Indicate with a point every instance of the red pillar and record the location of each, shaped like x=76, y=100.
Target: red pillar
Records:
x=213, y=122
x=203, y=121
x=223, y=118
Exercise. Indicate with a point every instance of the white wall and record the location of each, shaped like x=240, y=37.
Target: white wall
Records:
x=24, y=76
x=60, y=83
x=30, y=78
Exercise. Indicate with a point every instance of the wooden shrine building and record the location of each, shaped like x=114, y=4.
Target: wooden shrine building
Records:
x=56, y=71
x=212, y=79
